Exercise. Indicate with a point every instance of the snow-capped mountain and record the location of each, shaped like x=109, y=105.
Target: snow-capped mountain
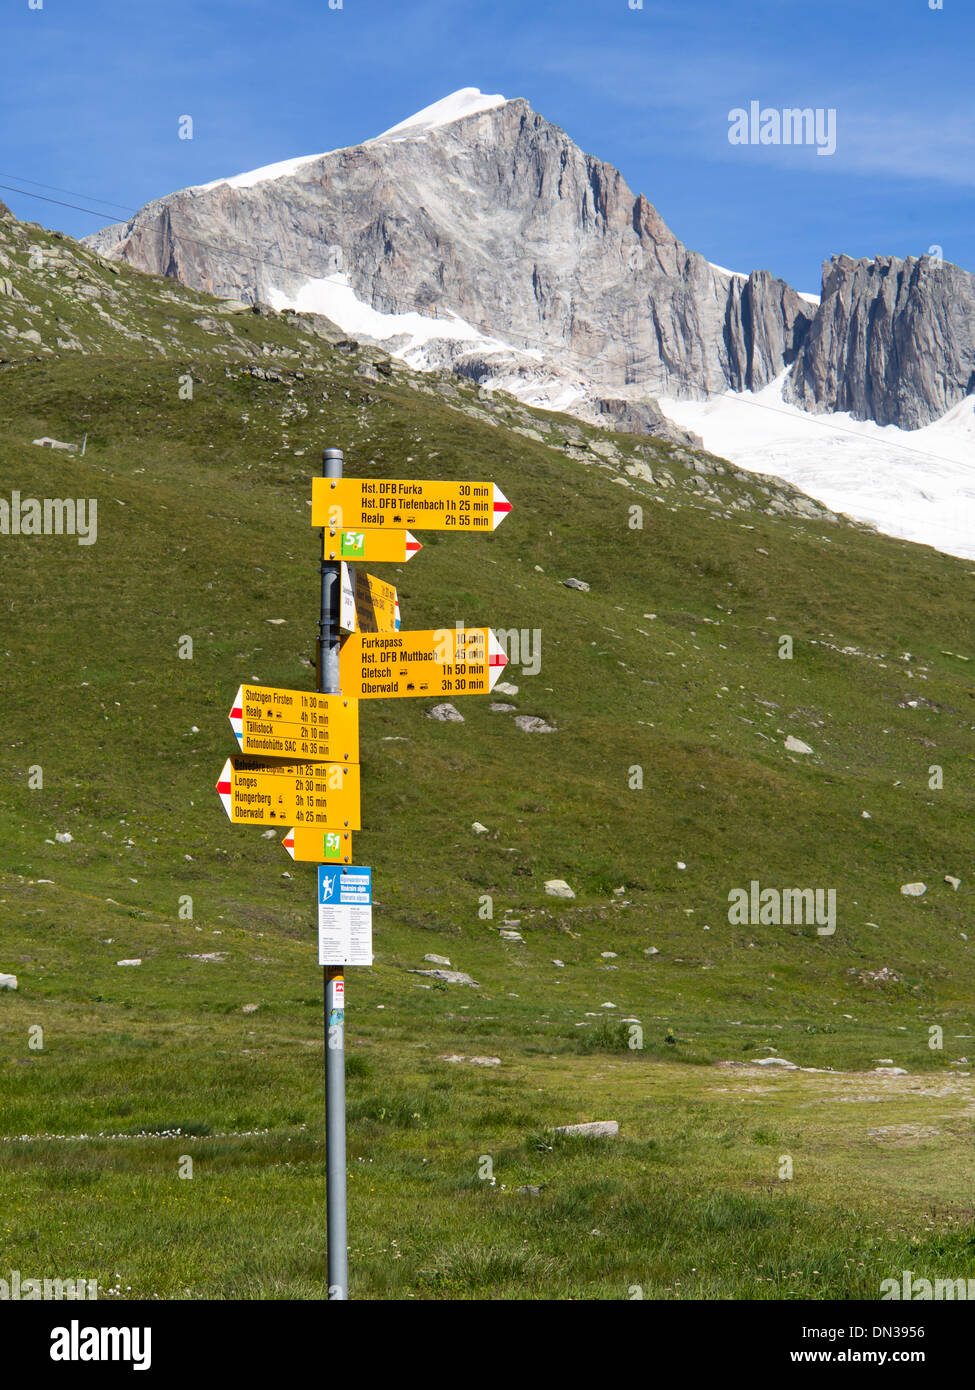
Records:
x=478, y=237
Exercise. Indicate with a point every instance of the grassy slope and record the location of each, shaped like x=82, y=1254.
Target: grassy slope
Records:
x=203, y=530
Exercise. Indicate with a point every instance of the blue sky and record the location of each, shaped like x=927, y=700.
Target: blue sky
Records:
x=91, y=92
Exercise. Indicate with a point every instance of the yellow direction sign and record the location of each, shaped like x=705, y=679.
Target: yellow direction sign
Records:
x=436, y=506
x=441, y=661
x=367, y=604
x=374, y=547
x=316, y=845
x=275, y=723
x=255, y=792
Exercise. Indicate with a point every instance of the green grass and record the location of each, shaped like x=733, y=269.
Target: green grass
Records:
x=203, y=531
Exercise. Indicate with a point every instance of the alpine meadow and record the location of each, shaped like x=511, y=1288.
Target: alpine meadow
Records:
x=699, y=865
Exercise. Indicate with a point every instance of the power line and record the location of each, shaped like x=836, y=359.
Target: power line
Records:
x=53, y=187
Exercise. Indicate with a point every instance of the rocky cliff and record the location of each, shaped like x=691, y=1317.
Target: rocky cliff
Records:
x=478, y=236
x=495, y=218
x=893, y=341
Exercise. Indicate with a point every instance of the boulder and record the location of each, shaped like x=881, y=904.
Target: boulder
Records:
x=450, y=977
x=445, y=714
x=596, y=1128
x=531, y=724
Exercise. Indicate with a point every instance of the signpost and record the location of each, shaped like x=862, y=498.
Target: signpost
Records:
x=371, y=546
x=436, y=662
x=368, y=604
x=299, y=760
x=344, y=916
x=315, y=845
x=270, y=722
x=354, y=502
x=255, y=792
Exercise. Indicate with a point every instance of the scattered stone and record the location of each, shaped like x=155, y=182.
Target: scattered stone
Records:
x=46, y=442
x=608, y=1006
x=129, y=962
x=478, y=828
x=579, y=584
x=450, y=977
x=559, y=963
x=474, y=1061
x=890, y=1071
x=218, y=956
x=796, y=745
x=955, y=882
x=250, y=1008
x=609, y=955
x=503, y=688
x=437, y=960
x=558, y=888
x=445, y=714
x=63, y=837
x=499, y=707
x=512, y=935
x=268, y=834
x=275, y=622
x=883, y=976
x=775, y=1062
x=914, y=890
x=529, y=1190
x=531, y=724
x=8, y=981
x=594, y=1127
x=651, y=951
x=866, y=815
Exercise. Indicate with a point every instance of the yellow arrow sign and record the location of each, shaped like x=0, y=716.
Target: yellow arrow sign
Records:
x=255, y=792
x=441, y=661
x=315, y=845
x=371, y=545
x=270, y=722
x=368, y=604
x=436, y=506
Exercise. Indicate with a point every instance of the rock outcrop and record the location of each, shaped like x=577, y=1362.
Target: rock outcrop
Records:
x=893, y=341
x=497, y=219
x=478, y=237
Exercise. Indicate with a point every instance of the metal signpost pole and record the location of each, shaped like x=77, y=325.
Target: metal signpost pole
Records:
x=334, y=975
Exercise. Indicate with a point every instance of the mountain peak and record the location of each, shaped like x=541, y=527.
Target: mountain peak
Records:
x=468, y=101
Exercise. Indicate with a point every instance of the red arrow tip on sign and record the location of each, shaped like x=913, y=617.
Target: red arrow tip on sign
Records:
x=501, y=506
x=497, y=658
x=224, y=785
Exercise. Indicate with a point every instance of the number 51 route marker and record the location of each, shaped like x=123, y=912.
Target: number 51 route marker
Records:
x=348, y=503
x=311, y=844
x=373, y=546
x=440, y=661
